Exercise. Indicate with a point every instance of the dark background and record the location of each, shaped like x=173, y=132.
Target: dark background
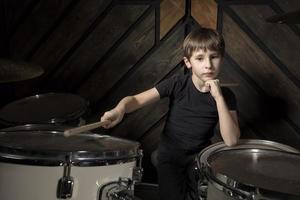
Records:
x=104, y=50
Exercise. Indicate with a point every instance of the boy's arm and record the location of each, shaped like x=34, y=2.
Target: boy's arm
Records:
x=228, y=120
x=228, y=123
x=129, y=104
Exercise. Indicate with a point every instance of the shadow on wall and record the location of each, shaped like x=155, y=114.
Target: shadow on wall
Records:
x=271, y=109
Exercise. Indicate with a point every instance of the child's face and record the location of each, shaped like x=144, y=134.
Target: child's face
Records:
x=205, y=65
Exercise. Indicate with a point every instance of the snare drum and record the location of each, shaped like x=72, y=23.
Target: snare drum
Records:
x=254, y=169
x=43, y=164
x=50, y=108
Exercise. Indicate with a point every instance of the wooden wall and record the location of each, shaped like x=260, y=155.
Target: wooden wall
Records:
x=264, y=59
x=104, y=50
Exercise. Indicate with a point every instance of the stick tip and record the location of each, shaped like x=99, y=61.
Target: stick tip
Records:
x=67, y=133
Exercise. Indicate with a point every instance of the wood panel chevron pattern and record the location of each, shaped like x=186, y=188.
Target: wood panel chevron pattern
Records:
x=104, y=50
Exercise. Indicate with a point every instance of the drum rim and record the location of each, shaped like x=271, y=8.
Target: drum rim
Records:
x=219, y=146
x=56, y=158
x=223, y=180
x=54, y=120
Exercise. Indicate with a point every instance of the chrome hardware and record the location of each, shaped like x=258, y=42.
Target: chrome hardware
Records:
x=117, y=190
x=202, y=183
x=65, y=187
x=123, y=188
x=65, y=184
x=122, y=195
x=138, y=171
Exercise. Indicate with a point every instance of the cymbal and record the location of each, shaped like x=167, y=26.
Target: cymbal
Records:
x=11, y=71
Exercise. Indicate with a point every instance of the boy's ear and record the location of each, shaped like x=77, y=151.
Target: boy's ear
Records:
x=187, y=62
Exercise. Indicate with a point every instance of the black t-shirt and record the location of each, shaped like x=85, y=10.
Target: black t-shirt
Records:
x=192, y=114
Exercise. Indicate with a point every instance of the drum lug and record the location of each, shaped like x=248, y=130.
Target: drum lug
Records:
x=118, y=190
x=137, y=174
x=202, y=182
x=65, y=187
x=122, y=195
x=66, y=183
x=138, y=171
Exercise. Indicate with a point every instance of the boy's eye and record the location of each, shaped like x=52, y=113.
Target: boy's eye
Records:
x=199, y=58
x=215, y=56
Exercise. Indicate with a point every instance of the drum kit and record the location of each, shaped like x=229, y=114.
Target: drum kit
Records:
x=42, y=156
x=39, y=161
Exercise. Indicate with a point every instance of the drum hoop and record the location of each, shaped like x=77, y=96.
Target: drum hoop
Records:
x=245, y=194
x=60, y=161
x=57, y=158
x=248, y=191
x=201, y=158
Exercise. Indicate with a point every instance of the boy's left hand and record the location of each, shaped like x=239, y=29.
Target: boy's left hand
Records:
x=214, y=87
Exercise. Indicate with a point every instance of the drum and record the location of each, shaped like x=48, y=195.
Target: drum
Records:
x=43, y=164
x=254, y=170
x=49, y=108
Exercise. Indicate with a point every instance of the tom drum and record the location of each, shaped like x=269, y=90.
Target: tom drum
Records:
x=252, y=170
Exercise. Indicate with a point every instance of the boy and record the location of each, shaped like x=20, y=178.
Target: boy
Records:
x=197, y=104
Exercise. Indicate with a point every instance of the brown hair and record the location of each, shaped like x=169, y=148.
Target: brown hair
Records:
x=203, y=38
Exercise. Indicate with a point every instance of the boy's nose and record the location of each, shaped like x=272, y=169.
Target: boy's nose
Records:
x=208, y=64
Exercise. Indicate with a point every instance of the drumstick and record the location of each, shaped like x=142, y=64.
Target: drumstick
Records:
x=77, y=130
x=229, y=84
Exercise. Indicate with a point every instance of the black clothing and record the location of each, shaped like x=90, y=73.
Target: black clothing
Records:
x=189, y=126
x=176, y=174
x=192, y=114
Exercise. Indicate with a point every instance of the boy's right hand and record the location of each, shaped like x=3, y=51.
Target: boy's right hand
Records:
x=112, y=117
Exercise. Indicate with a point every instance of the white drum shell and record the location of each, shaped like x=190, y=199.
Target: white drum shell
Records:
x=27, y=182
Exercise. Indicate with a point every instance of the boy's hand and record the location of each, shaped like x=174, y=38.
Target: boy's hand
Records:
x=214, y=87
x=113, y=117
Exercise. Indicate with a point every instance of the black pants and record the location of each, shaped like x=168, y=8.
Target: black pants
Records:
x=176, y=174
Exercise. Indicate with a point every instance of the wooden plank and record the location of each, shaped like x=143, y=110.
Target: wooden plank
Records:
x=120, y=61
x=205, y=13
x=68, y=32
x=288, y=5
x=262, y=69
x=279, y=38
x=154, y=68
x=97, y=44
x=36, y=25
x=268, y=119
x=13, y=12
x=256, y=120
x=170, y=12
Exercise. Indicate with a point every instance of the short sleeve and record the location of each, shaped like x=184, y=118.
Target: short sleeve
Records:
x=229, y=98
x=166, y=87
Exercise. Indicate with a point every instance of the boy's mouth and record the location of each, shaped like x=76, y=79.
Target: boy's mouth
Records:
x=209, y=74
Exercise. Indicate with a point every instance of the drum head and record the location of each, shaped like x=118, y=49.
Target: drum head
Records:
x=267, y=169
x=34, y=144
x=44, y=109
